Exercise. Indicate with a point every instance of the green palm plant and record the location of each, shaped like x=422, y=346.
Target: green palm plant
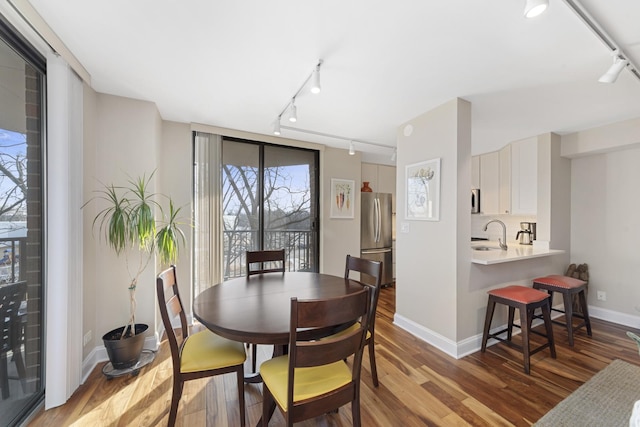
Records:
x=129, y=222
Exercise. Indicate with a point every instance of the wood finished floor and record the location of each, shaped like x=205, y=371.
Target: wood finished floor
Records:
x=419, y=385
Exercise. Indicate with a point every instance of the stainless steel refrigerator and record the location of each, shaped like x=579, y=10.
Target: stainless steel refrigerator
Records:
x=375, y=232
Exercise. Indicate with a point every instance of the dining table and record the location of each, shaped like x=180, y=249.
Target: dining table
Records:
x=257, y=309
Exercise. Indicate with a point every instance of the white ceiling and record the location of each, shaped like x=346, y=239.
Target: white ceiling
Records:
x=236, y=64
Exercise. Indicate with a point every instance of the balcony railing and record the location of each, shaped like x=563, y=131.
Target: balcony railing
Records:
x=299, y=247
x=11, y=249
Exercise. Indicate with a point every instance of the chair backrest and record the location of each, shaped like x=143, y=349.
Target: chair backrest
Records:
x=271, y=257
x=306, y=350
x=170, y=307
x=11, y=296
x=373, y=279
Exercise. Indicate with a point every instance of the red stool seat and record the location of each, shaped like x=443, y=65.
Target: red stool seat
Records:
x=526, y=300
x=568, y=287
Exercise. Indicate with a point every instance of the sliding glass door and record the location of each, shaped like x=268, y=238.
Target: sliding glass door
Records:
x=270, y=201
x=21, y=227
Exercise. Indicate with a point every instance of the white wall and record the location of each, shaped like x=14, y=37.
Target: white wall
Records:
x=605, y=230
x=338, y=237
x=427, y=274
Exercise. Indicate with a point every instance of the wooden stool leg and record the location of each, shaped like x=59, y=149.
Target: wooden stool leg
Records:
x=582, y=296
x=526, y=348
x=568, y=314
x=512, y=311
x=546, y=315
x=491, y=306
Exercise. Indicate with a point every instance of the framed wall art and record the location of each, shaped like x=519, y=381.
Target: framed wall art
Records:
x=342, y=198
x=423, y=191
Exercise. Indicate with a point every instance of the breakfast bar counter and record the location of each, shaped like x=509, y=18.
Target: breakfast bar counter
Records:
x=492, y=254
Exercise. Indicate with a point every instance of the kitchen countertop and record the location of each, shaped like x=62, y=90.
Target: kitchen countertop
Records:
x=515, y=252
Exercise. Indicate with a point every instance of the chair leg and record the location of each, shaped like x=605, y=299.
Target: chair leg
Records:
x=491, y=306
x=582, y=296
x=526, y=348
x=267, y=405
x=546, y=315
x=254, y=357
x=175, y=400
x=240, y=376
x=4, y=376
x=568, y=315
x=22, y=373
x=372, y=362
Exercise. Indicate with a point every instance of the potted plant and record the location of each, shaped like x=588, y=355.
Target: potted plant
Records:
x=133, y=223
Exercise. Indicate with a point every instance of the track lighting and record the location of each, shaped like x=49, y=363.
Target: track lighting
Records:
x=276, y=127
x=614, y=70
x=315, y=79
x=293, y=115
x=533, y=8
x=352, y=151
x=394, y=155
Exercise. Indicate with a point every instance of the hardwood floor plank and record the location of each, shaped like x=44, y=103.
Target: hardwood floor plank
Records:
x=419, y=385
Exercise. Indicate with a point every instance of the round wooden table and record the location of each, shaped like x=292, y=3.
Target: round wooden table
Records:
x=257, y=309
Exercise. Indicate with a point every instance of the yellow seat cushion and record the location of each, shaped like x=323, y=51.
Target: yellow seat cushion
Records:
x=205, y=350
x=309, y=382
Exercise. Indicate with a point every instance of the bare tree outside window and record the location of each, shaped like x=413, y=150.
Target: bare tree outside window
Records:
x=13, y=176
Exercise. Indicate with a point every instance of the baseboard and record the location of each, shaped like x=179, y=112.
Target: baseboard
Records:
x=472, y=344
x=99, y=354
x=615, y=317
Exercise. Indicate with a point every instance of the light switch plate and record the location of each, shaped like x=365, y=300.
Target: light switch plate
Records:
x=404, y=227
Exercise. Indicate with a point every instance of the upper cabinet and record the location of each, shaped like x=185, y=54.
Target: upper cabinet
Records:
x=524, y=184
x=381, y=178
x=508, y=179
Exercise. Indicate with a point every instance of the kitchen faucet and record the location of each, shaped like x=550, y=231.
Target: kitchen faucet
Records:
x=503, y=242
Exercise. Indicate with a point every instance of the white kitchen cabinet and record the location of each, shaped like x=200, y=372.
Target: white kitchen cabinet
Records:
x=490, y=183
x=475, y=172
x=381, y=178
x=505, y=180
x=524, y=186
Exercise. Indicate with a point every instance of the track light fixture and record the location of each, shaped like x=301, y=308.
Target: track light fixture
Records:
x=352, y=150
x=314, y=78
x=533, y=8
x=615, y=69
x=293, y=114
x=394, y=155
x=276, y=127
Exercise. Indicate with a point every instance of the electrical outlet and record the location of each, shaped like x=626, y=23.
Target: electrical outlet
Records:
x=87, y=338
x=602, y=296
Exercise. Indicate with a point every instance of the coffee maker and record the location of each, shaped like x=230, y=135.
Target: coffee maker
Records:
x=527, y=233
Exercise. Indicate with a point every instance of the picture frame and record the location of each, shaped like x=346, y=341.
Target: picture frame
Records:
x=343, y=193
x=423, y=190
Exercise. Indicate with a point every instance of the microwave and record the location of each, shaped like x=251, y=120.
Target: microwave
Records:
x=475, y=200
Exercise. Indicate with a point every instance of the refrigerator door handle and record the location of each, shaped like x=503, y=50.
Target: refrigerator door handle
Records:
x=376, y=251
x=376, y=204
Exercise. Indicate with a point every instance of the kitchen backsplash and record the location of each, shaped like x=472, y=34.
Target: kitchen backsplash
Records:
x=495, y=231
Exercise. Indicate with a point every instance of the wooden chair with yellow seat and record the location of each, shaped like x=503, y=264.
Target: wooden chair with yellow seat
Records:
x=371, y=276
x=198, y=355
x=270, y=261
x=313, y=379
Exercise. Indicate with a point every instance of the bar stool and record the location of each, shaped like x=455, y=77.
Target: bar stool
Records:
x=526, y=300
x=568, y=287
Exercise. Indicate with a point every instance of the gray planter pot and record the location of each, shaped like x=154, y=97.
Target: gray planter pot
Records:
x=124, y=353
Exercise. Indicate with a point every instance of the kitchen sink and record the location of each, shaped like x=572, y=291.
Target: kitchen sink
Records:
x=485, y=248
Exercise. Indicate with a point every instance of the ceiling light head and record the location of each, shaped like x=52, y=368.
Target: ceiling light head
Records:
x=614, y=70
x=352, y=150
x=533, y=8
x=394, y=155
x=276, y=127
x=315, y=80
x=293, y=116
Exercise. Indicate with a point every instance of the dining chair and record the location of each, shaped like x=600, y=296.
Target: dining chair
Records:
x=313, y=378
x=11, y=332
x=267, y=260
x=270, y=261
x=198, y=355
x=372, y=271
